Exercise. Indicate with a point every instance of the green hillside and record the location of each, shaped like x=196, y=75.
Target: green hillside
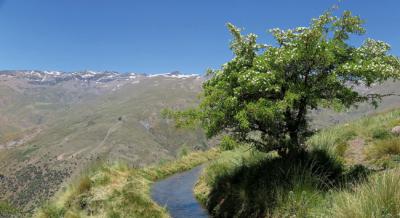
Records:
x=349, y=170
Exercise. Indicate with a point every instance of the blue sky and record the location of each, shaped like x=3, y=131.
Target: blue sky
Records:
x=152, y=36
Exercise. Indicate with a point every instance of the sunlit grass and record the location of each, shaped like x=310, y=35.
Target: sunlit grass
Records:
x=254, y=184
x=379, y=197
x=116, y=190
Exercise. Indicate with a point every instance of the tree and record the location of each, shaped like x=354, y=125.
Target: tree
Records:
x=262, y=96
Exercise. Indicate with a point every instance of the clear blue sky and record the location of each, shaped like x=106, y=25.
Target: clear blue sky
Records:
x=154, y=36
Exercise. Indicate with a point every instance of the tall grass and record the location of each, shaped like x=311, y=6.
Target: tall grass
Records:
x=330, y=138
x=116, y=190
x=318, y=183
x=255, y=184
x=379, y=197
x=373, y=130
x=384, y=152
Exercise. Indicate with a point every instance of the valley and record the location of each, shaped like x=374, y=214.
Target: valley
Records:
x=53, y=128
x=56, y=124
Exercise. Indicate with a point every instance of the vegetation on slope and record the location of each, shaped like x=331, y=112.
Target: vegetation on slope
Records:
x=124, y=124
x=378, y=197
x=116, y=190
x=263, y=96
x=367, y=141
x=7, y=210
x=329, y=180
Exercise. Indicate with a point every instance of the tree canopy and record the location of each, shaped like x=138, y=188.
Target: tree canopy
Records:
x=262, y=96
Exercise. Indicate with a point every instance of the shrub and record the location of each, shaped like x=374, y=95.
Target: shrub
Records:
x=228, y=143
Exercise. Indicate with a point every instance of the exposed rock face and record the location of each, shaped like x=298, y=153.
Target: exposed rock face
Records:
x=396, y=130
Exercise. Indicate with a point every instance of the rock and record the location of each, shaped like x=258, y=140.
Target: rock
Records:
x=396, y=130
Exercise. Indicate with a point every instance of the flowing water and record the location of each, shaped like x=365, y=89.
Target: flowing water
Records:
x=176, y=194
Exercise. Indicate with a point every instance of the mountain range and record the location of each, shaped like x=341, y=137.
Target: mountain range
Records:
x=54, y=124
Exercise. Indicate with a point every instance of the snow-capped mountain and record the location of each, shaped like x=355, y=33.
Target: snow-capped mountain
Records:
x=54, y=77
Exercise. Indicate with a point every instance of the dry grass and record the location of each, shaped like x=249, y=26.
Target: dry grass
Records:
x=224, y=187
x=384, y=152
x=119, y=191
x=379, y=197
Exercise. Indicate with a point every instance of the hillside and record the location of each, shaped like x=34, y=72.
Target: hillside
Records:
x=54, y=124
x=52, y=130
x=329, y=181
x=349, y=170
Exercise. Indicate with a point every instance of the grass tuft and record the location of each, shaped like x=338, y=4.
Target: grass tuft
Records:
x=379, y=197
x=255, y=184
x=116, y=190
x=384, y=152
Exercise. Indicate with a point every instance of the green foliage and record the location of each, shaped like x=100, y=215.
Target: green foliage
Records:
x=315, y=184
x=7, y=209
x=263, y=94
x=228, y=143
x=380, y=133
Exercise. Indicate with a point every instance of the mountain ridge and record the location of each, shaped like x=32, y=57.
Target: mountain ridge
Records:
x=54, y=124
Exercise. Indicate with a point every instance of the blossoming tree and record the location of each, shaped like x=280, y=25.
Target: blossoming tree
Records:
x=262, y=96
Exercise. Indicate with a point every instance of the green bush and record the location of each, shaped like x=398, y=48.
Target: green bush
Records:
x=227, y=143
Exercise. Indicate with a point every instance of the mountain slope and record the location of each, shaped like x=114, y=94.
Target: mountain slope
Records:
x=54, y=124
x=120, y=121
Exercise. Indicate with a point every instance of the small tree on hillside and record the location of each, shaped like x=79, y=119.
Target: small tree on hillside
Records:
x=262, y=96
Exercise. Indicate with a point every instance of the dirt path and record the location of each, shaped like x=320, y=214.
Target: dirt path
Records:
x=355, y=152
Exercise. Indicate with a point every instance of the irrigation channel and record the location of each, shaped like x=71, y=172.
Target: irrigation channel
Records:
x=176, y=194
